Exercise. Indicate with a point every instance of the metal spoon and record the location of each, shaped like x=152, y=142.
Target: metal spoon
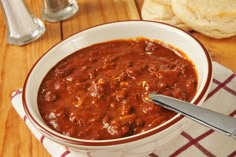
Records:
x=214, y=120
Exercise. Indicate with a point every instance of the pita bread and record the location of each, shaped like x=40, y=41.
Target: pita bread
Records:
x=214, y=18
x=161, y=11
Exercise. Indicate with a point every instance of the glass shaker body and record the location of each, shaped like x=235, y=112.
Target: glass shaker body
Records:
x=22, y=26
x=58, y=10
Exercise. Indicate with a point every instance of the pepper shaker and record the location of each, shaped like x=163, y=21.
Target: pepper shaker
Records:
x=22, y=26
x=58, y=10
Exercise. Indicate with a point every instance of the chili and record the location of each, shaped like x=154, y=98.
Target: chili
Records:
x=101, y=92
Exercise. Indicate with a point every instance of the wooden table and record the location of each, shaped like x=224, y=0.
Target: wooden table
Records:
x=15, y=62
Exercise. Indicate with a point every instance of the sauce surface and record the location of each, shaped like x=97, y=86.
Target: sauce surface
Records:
x=101, y=92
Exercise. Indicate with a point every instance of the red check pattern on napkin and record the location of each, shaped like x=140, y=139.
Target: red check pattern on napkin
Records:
x=194, y=140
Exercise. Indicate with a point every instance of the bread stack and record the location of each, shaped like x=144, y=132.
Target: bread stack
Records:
x=214, y=18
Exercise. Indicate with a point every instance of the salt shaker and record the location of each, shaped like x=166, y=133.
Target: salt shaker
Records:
x=22, y=26
x=58, y=10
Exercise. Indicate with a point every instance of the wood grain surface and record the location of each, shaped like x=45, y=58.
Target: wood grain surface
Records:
x=15, y=62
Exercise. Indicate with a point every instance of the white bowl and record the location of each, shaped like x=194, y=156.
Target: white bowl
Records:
x=140, y=144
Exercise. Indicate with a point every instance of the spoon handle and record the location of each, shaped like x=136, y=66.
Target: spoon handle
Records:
x=214, y=120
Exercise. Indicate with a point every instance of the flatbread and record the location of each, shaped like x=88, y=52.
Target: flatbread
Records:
x=161, y=11
x=214, y=18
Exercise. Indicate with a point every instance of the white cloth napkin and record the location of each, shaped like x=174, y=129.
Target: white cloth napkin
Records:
x=195, y=140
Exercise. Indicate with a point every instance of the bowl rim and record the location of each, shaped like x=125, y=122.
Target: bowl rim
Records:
x=117, y=141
